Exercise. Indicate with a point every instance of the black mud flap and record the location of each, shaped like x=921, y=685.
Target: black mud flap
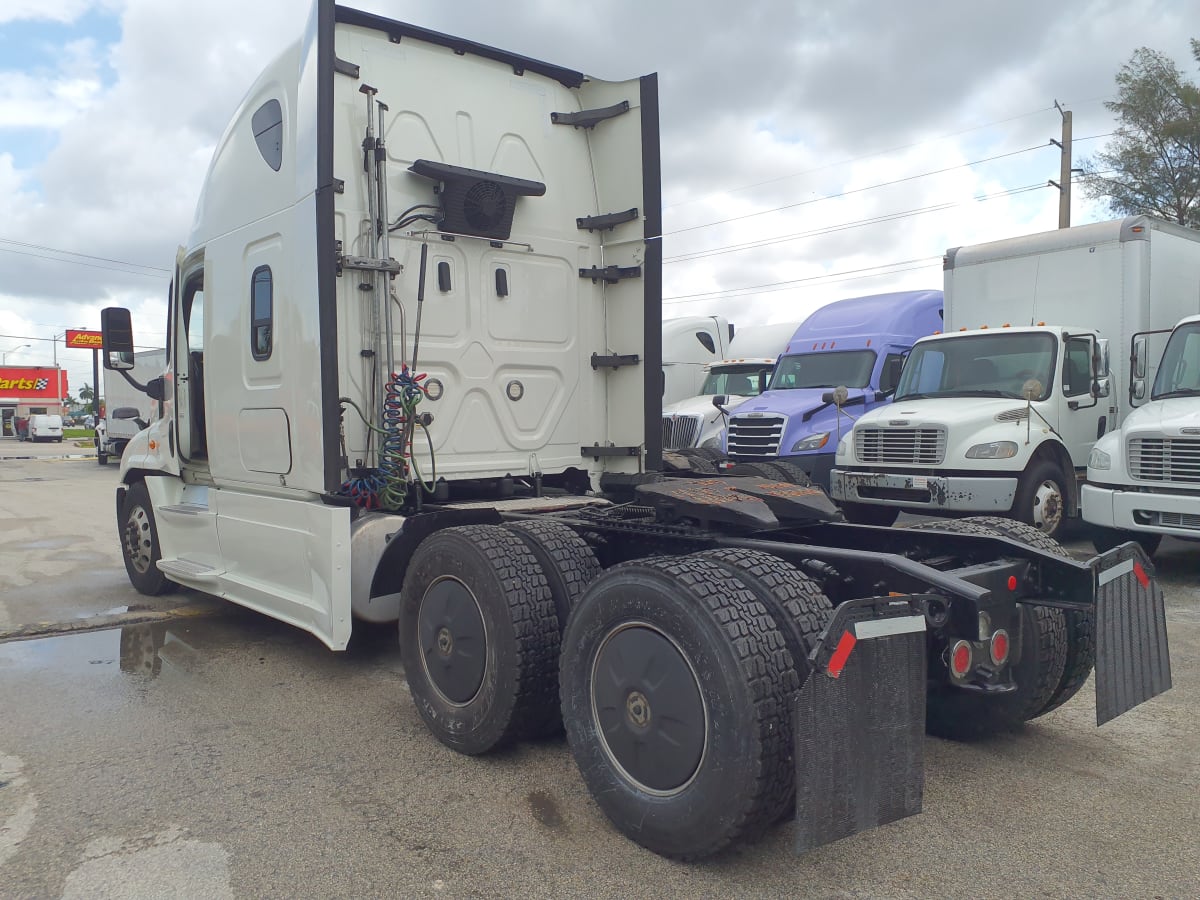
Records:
x=860, y=722
x=1132, y=660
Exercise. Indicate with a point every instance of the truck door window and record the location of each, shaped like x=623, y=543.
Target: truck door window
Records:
x=889, y=377
x=1077, y=372
x=262, y=308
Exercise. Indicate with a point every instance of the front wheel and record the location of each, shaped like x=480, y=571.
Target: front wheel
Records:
x=1042, y=498
x=139, y=542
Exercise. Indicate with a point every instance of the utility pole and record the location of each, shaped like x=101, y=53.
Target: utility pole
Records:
x=1064, y=177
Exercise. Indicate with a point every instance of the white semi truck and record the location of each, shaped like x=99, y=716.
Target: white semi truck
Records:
x=127, y=409
x=695, y=422
x=689, y=345
x=1143, y=480
x=413, y=376
x=999, y=414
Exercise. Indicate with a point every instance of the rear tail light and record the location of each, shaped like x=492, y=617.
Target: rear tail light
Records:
x=960, y=659
x=999, y=647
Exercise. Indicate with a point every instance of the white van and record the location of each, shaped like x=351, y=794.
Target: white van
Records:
x=46, y=428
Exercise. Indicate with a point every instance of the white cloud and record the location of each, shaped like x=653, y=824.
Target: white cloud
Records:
x=767, y=106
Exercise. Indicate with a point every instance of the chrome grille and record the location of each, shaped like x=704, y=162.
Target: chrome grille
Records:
x=1164, y=459
x=755, y=437
x=680, y=432
x=1179, y=520
x=903, y=446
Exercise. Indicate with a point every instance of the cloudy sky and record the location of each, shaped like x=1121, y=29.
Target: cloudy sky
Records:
x=811, y=150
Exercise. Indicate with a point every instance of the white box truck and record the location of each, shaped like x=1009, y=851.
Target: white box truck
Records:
x=127, y=409
x=1000, y=413
x=421, y=384
x=1143, y=480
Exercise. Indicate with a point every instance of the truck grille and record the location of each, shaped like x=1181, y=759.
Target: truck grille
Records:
x=680, y=432
x=903, y=446
x=755, y=438
x=1178, y=520
x=1164, y=459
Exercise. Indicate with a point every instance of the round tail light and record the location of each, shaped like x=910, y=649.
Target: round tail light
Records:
x=960, y=659
x=999, y=647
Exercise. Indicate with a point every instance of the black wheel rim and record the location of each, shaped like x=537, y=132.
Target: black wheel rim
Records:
x=648, y=708
x=453, y=640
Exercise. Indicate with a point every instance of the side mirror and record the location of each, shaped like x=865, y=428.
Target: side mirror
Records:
x=1139, y=389
x=125, y=412
x=1102, y=360
x=764, y=376
x=1102, y=387
x=1140, y=349
x=116, y=329
x=880, y=396
x=720, y=400
x=156, y=388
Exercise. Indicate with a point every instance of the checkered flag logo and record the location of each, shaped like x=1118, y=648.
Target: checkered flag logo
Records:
x=41, y=384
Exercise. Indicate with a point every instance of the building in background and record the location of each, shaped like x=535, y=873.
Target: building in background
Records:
x=30, y=390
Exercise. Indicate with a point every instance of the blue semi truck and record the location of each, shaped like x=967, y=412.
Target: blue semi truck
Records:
x=859, y=343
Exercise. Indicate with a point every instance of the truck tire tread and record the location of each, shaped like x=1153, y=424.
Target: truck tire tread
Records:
x=698, y=603
x=508, y=707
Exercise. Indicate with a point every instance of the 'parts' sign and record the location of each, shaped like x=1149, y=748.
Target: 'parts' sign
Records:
x=84, y=340
x=24, y=382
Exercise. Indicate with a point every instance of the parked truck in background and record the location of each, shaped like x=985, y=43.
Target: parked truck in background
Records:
x=695, y=421
x=1144, y=478
x=999, y=414
x=858, y=343
x=411, y=392
x=689, y=345
x=127, y=410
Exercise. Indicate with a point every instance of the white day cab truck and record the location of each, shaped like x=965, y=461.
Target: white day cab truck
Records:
x=696, y=422
x=999, y=414
x=421, y=384
x=127, y=410
x=1143, y=480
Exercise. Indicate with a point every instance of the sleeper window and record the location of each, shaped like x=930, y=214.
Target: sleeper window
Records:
x=262, y=309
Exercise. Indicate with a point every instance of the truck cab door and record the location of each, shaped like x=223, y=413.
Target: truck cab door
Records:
x=1083, y=417
x=188, y=367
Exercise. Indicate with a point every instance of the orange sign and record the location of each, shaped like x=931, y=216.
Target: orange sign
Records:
x=84, y=340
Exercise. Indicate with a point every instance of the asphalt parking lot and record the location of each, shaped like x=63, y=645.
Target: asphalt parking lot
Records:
x=195, y=749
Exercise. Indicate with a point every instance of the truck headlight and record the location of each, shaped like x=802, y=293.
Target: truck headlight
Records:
x=713, y=443
x=1098, y=459
x=812, y=442
x=843, y=447
x=993, y=450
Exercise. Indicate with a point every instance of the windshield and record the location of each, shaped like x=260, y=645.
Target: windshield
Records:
x=851, y=368
x=989, y=365
x=740, y=380
x=1179, y=371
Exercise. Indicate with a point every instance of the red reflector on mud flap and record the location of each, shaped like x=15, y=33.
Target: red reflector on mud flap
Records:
x=1141, y=574
x=837, y=662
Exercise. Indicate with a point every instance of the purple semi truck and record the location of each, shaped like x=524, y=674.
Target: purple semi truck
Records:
x=860, y=344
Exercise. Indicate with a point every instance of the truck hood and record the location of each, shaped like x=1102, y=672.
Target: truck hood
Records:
x=698, y=406
x=790, y=403
x=1166, y=417
x=950, y=411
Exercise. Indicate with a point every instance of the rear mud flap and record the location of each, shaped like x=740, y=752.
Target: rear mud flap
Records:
x=860, y=722
x=1132, y=659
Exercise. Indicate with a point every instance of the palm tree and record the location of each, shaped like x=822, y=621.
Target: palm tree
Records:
x=86, y=394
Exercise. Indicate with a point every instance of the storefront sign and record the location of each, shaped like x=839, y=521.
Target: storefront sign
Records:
x=29, y=382
x=84, y=340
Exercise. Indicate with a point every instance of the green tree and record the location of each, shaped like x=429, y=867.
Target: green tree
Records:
x=86, y=394
x=1152, y=163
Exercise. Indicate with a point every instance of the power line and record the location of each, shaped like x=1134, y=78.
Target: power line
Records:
x=874, y=220
x=923, y=262
x=860, y=190
x=84, y=255
x=76, y=262
x=854, y=159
